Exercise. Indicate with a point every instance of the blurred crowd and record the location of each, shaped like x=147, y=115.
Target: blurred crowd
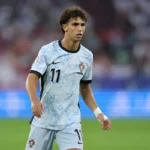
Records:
x=121, y=53
x=124, y=61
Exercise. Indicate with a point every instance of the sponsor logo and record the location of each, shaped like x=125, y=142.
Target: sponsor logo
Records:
x=55, y=62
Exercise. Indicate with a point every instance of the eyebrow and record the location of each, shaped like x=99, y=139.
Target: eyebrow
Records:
x=76, y=23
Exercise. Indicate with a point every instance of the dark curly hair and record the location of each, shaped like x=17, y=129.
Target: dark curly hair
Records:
x=72, y=12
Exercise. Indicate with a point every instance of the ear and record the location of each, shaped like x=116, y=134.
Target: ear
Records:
x=64, y=26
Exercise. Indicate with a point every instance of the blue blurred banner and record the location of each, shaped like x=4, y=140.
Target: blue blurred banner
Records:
x=115, y=104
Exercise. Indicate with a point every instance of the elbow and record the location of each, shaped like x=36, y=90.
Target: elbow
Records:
x=84, y=88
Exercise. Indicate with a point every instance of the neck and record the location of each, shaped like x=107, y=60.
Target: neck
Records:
x=70, y=45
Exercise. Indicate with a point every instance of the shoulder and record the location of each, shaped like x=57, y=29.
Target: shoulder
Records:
x=48, y=48
x=87, y=52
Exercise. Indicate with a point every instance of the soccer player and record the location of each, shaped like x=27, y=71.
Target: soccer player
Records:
x=64, y=68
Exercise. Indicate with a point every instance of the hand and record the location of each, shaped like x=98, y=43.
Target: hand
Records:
x=106, y=124
x=37, y=108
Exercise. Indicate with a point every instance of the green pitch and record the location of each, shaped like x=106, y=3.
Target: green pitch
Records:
x=124, y=135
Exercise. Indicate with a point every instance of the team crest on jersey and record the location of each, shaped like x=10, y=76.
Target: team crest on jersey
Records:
x=81, y=66
x=31, y=143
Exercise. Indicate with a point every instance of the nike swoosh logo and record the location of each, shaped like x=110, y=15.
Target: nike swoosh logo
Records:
x=55, y=62
x=80, y=143
x=79, y=73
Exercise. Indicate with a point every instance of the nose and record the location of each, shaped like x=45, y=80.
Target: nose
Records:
x=80, y=28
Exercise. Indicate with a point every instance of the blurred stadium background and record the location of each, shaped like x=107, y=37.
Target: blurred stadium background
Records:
x=118, y=34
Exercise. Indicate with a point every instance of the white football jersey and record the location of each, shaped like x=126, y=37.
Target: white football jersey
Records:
x=61, y=71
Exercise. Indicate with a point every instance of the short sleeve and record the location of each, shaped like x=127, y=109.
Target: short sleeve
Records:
x=40, y=64
x=87, y=77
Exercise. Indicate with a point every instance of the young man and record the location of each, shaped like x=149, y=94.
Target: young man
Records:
x=64, y=68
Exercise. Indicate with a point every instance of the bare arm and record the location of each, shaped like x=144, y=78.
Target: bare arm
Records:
x=37, y=107
x=31, y=86
x=88, y=98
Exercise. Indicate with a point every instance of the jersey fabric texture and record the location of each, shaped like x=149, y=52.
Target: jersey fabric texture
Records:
x=60, y=72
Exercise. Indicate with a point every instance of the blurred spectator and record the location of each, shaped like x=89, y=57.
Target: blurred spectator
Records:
x=121, y=52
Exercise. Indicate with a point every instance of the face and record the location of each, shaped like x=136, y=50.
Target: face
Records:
x=74, y=29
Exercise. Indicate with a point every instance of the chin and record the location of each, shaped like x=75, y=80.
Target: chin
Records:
x=77, y=40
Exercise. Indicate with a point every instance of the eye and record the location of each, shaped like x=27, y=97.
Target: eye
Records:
x=83, y=24
x=75, y=24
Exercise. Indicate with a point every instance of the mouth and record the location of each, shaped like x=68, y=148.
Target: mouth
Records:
x=79, y=35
